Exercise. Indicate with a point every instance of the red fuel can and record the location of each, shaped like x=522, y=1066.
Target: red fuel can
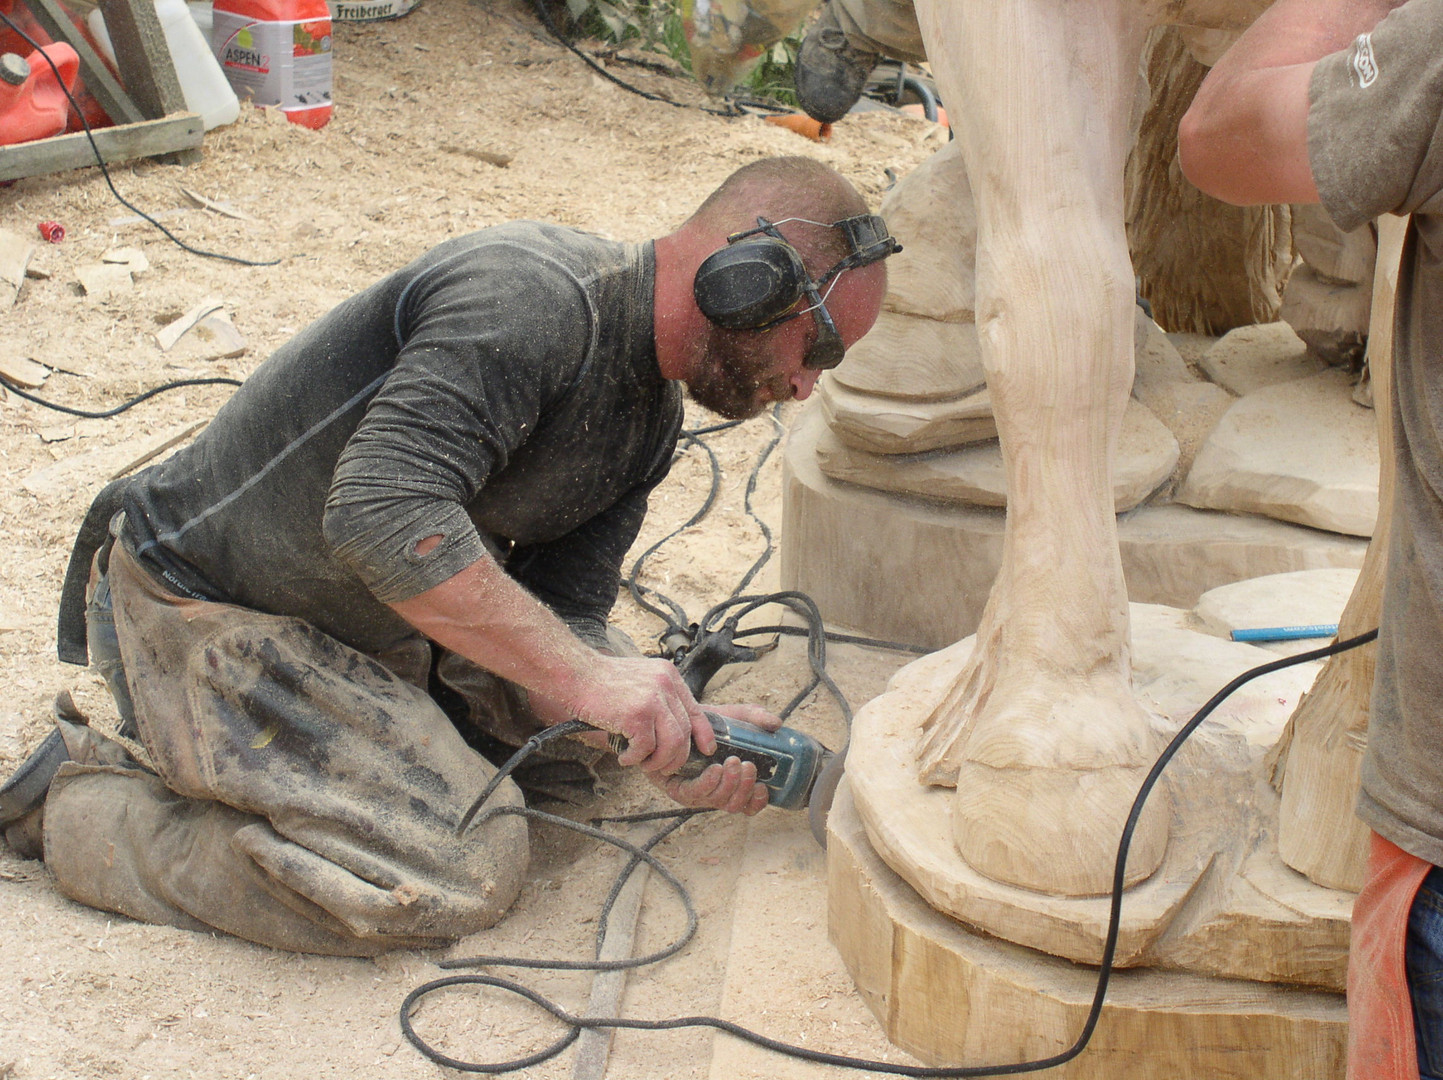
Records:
x=33, y=104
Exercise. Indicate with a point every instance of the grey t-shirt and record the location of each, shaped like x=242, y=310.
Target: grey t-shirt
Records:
x=1376, y=147
x=501, y=392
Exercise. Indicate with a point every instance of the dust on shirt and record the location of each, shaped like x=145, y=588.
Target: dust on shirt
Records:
x=501, y=393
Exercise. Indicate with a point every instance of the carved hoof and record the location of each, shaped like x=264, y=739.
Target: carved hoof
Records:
x=1056, y=830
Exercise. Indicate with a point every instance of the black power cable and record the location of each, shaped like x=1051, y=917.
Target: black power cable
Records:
x=174, y=384
x=105, y=172
x=700, y=649
x=550, y=24
x=577, y=1024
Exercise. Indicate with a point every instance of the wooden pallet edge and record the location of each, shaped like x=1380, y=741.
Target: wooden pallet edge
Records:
x=124, y=142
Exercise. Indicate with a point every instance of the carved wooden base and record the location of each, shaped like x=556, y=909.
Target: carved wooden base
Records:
x=1220, y=904
x=953, y=997
x=907, y=569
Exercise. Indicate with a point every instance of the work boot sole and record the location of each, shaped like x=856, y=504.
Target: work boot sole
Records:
x=830, y=72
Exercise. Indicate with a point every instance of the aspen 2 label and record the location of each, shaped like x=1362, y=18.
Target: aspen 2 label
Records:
x=285, y=63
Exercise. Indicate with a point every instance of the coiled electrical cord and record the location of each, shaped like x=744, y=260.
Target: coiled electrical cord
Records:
x=577, y=1024
x=675, y=617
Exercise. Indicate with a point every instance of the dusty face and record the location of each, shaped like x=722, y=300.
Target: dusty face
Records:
x=739, y=373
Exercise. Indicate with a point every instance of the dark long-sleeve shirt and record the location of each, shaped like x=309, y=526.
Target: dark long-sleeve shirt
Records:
x=501, y=392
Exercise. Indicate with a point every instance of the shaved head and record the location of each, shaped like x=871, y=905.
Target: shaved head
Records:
x=737, y=372
x=786, y=187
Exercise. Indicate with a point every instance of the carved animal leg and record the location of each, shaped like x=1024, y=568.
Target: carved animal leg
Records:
x=1320, y=755
x=1040, y=732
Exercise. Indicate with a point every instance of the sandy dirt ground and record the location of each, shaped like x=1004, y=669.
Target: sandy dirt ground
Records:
x=426, y=107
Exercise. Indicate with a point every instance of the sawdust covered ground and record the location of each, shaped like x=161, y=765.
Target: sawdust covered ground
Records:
x=425, y=104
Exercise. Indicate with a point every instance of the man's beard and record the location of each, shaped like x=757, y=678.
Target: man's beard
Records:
x=735, y=367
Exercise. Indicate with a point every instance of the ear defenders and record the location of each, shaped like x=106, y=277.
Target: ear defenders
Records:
x=759, y=280
x=751, y=283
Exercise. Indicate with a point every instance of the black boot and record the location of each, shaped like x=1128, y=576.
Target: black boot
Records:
x=22, y=797
x=831, y=72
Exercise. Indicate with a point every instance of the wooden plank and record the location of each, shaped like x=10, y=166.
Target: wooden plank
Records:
x=98, y=79
x=148, y=138
x=593, y=1048
x=143, y=56
x=782, y=978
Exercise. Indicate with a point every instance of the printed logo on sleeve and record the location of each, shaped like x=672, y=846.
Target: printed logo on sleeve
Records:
x=1365, y=66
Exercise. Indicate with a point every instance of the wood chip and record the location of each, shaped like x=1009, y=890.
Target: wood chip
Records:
x=94, y=467
x=214, y=338
x=501, y=161
x=23, y=372
x=104, y=281
x=38, y=273
x=10, y=619
x=15, y=252
x=168, y=336
x=56, y=433
x=131, y=258
x=218, y=207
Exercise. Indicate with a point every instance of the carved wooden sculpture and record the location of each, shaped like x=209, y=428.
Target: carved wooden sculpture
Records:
x=1204, y=266
x=1318, y=760
x=1041, y=732
x=1046, y=723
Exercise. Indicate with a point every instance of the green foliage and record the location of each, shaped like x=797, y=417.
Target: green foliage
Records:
x=655, y=26
x=775, y=75
x=637, y=23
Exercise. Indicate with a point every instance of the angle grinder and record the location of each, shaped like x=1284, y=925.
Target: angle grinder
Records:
x=796, y=769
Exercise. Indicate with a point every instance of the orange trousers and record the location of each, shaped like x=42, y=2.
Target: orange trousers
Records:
x=1381, y=1043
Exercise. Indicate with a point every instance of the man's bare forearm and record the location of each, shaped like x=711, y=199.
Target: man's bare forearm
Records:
x=1244, y=139
x=483, y=615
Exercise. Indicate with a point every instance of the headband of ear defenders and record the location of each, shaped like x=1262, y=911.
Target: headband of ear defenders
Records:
x=869, y=240
x=758, y=279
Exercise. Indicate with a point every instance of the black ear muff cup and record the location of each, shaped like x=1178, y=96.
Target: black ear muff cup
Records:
x=747, y=285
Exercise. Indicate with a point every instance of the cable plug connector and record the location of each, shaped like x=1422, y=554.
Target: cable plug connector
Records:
x=710, y=651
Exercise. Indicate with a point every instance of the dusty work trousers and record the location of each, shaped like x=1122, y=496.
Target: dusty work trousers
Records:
x=888, y=27
x=307, y=795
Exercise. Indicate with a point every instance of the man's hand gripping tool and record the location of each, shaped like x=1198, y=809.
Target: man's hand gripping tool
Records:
x=788, y=763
